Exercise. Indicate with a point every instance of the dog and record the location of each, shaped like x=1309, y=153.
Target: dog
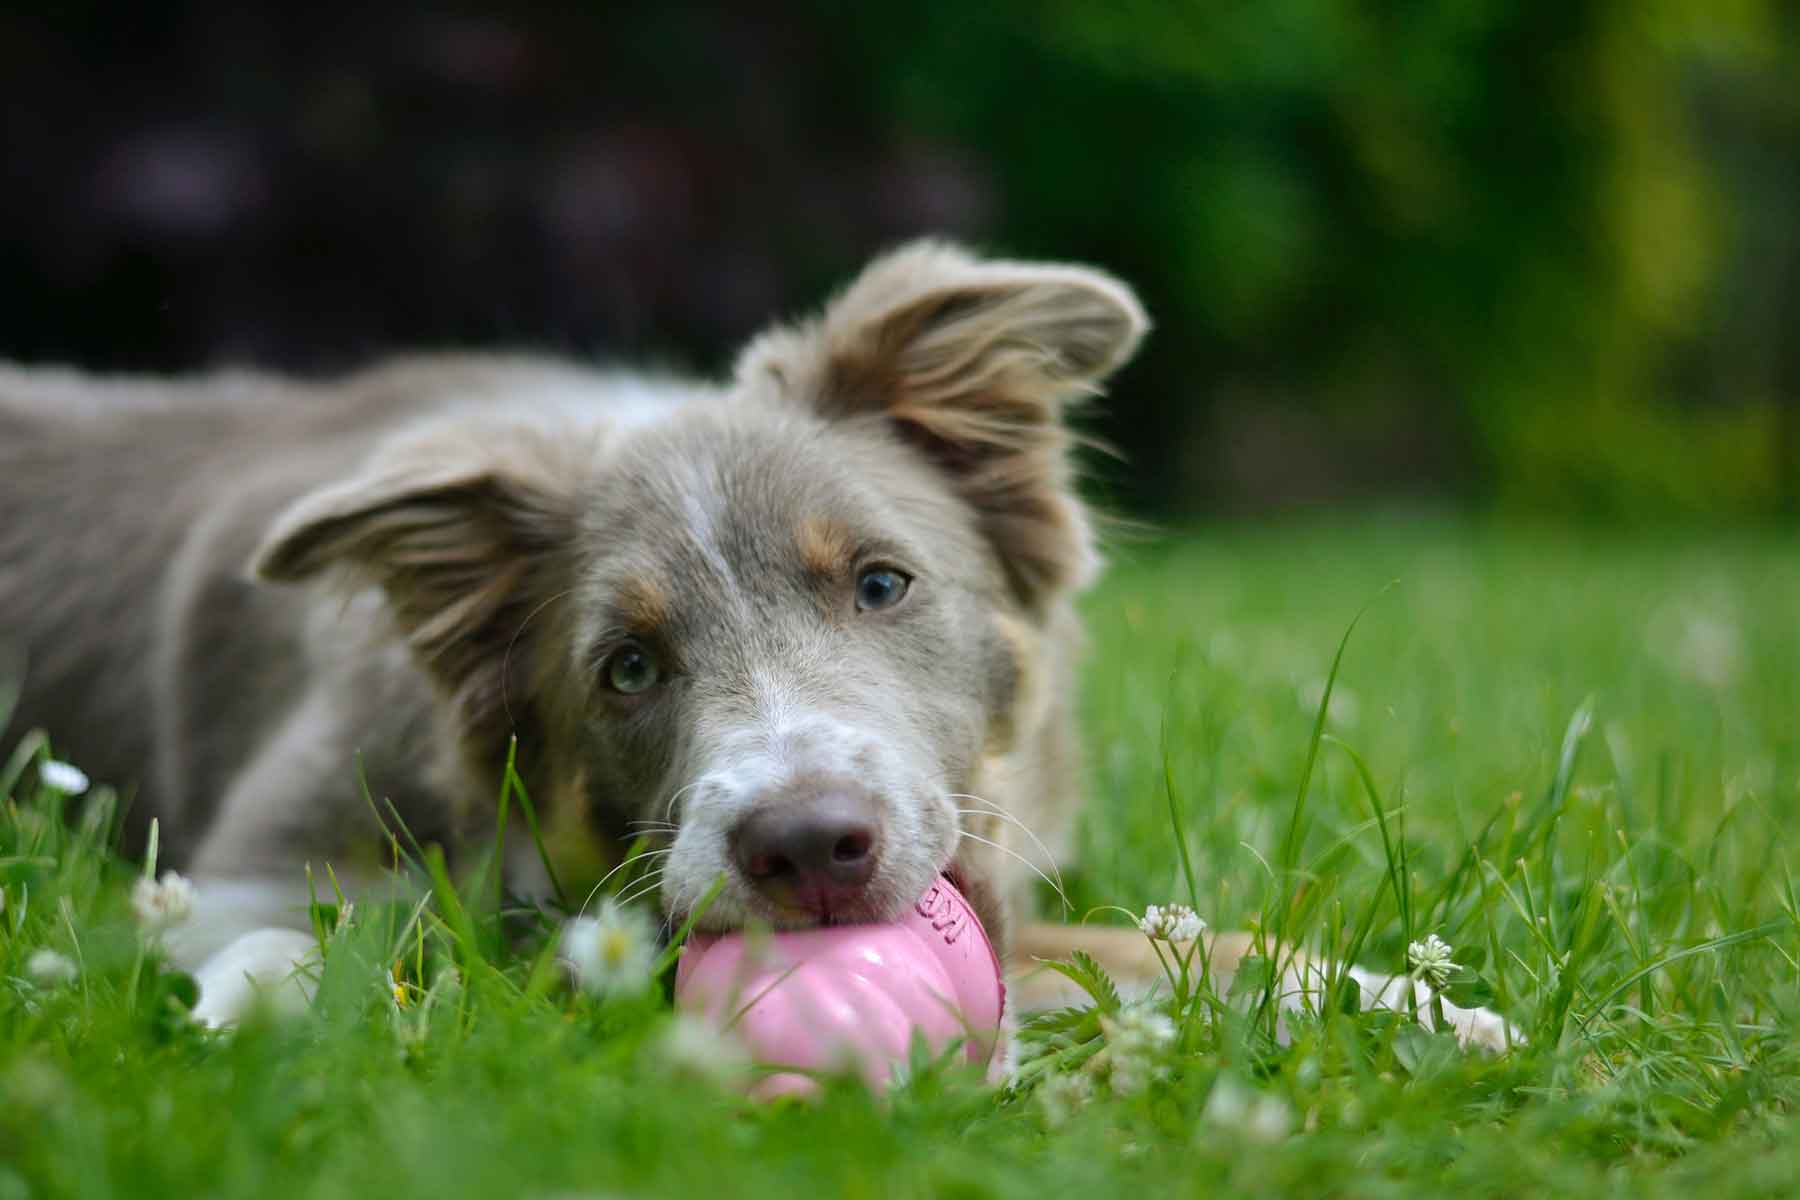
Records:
x=813, y=628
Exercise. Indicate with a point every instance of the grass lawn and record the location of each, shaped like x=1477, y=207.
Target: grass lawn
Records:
x=1586, y=756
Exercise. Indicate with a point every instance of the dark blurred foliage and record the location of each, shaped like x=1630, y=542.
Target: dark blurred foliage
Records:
x=1540, y=253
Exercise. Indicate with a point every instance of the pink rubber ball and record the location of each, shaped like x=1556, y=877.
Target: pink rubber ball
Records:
x=851, y=996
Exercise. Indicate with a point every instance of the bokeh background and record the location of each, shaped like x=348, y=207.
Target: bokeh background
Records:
x=1527, y=255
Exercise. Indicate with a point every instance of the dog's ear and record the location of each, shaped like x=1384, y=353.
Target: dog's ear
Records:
x=459, y=526
x=974, y=362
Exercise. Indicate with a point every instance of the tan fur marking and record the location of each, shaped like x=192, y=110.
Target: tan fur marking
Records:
x=577, y=851
x=1026, y=710
x=974, y=363
x=644, y=604
x=825, y=546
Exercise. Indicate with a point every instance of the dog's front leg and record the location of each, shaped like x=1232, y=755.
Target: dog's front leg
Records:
x=263, y=967
x=250, y=938
x=246, y=943
x=1473, y=1026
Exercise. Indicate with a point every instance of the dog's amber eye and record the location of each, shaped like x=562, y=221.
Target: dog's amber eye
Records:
x=632, y=669
x=880, y=587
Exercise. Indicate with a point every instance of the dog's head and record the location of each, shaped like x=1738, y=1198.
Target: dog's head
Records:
x=779, y=622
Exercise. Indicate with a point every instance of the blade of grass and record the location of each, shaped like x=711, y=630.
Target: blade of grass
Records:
x=1267, y=1005
x=499, y=864
x=531, y=823
x=1176, y=821
x=1766, y=929
x=672, y=951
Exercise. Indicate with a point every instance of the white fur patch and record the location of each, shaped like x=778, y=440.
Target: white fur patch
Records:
x=703, y=530
x=265, y=966
x=247, y=943
x=1473, y=1026
x=786, y=747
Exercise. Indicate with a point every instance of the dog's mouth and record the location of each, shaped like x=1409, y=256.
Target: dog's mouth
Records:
x=792, y=912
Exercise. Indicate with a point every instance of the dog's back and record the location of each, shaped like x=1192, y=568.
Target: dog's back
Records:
x=102, y=483
x=131, y=510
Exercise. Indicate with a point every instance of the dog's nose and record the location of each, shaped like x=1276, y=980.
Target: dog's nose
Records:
x=815, y=853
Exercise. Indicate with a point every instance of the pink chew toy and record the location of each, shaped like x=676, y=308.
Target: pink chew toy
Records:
x=851, y=995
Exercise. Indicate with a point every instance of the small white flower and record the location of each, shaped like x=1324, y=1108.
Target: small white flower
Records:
x=1258, y=1117
x=1430, y=961
x=62, y=777
x=1136, y=1039
x=611, y=954
x=49, y=969
x=1062, y=1094
x=162, y=903
x=1139, y=1029
x=694, y=1049
x=1171, y=923
x=1270, y=1119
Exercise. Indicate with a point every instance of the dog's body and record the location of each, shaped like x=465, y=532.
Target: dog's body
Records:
x=813, y=628
x=488, y=531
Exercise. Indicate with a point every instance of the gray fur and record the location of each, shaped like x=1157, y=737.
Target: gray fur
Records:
x=230, y=587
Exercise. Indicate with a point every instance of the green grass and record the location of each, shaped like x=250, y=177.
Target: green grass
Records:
x=1602, y=880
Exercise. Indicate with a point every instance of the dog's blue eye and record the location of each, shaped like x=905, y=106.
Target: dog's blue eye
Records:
x=879, y=588
x=632, y=669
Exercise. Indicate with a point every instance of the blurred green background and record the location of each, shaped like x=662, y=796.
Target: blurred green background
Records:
x=1537, y=256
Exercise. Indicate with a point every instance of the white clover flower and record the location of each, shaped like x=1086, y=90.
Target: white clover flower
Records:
x=1136, y=1039
x=1430, y=960
x=1270, y=1119
x=162, y=903
x=611, y=954
x=1258, y=1117
x=1129, y=1076
x=1139, y=1029
x=1062, y=1094
x=1171, y=923
x=49, y=969
x=695, y=1049
x=62, y=777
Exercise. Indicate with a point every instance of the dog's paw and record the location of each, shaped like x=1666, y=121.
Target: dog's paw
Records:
x=265, y=966
x=1473, y=1026
x=1478, y=1027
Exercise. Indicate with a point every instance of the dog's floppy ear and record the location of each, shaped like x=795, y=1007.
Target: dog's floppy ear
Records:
x=974, y=362
x=459, y=527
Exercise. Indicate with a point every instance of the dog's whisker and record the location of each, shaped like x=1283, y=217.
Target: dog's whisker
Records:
x=1014, y=854
x=993, y=805
x=1043, y=849
x=631, y=897
x=998, y=811
x=635, y=896
x=982, y=812
x=636, y=858
x=669, y=808
x=642, y=887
